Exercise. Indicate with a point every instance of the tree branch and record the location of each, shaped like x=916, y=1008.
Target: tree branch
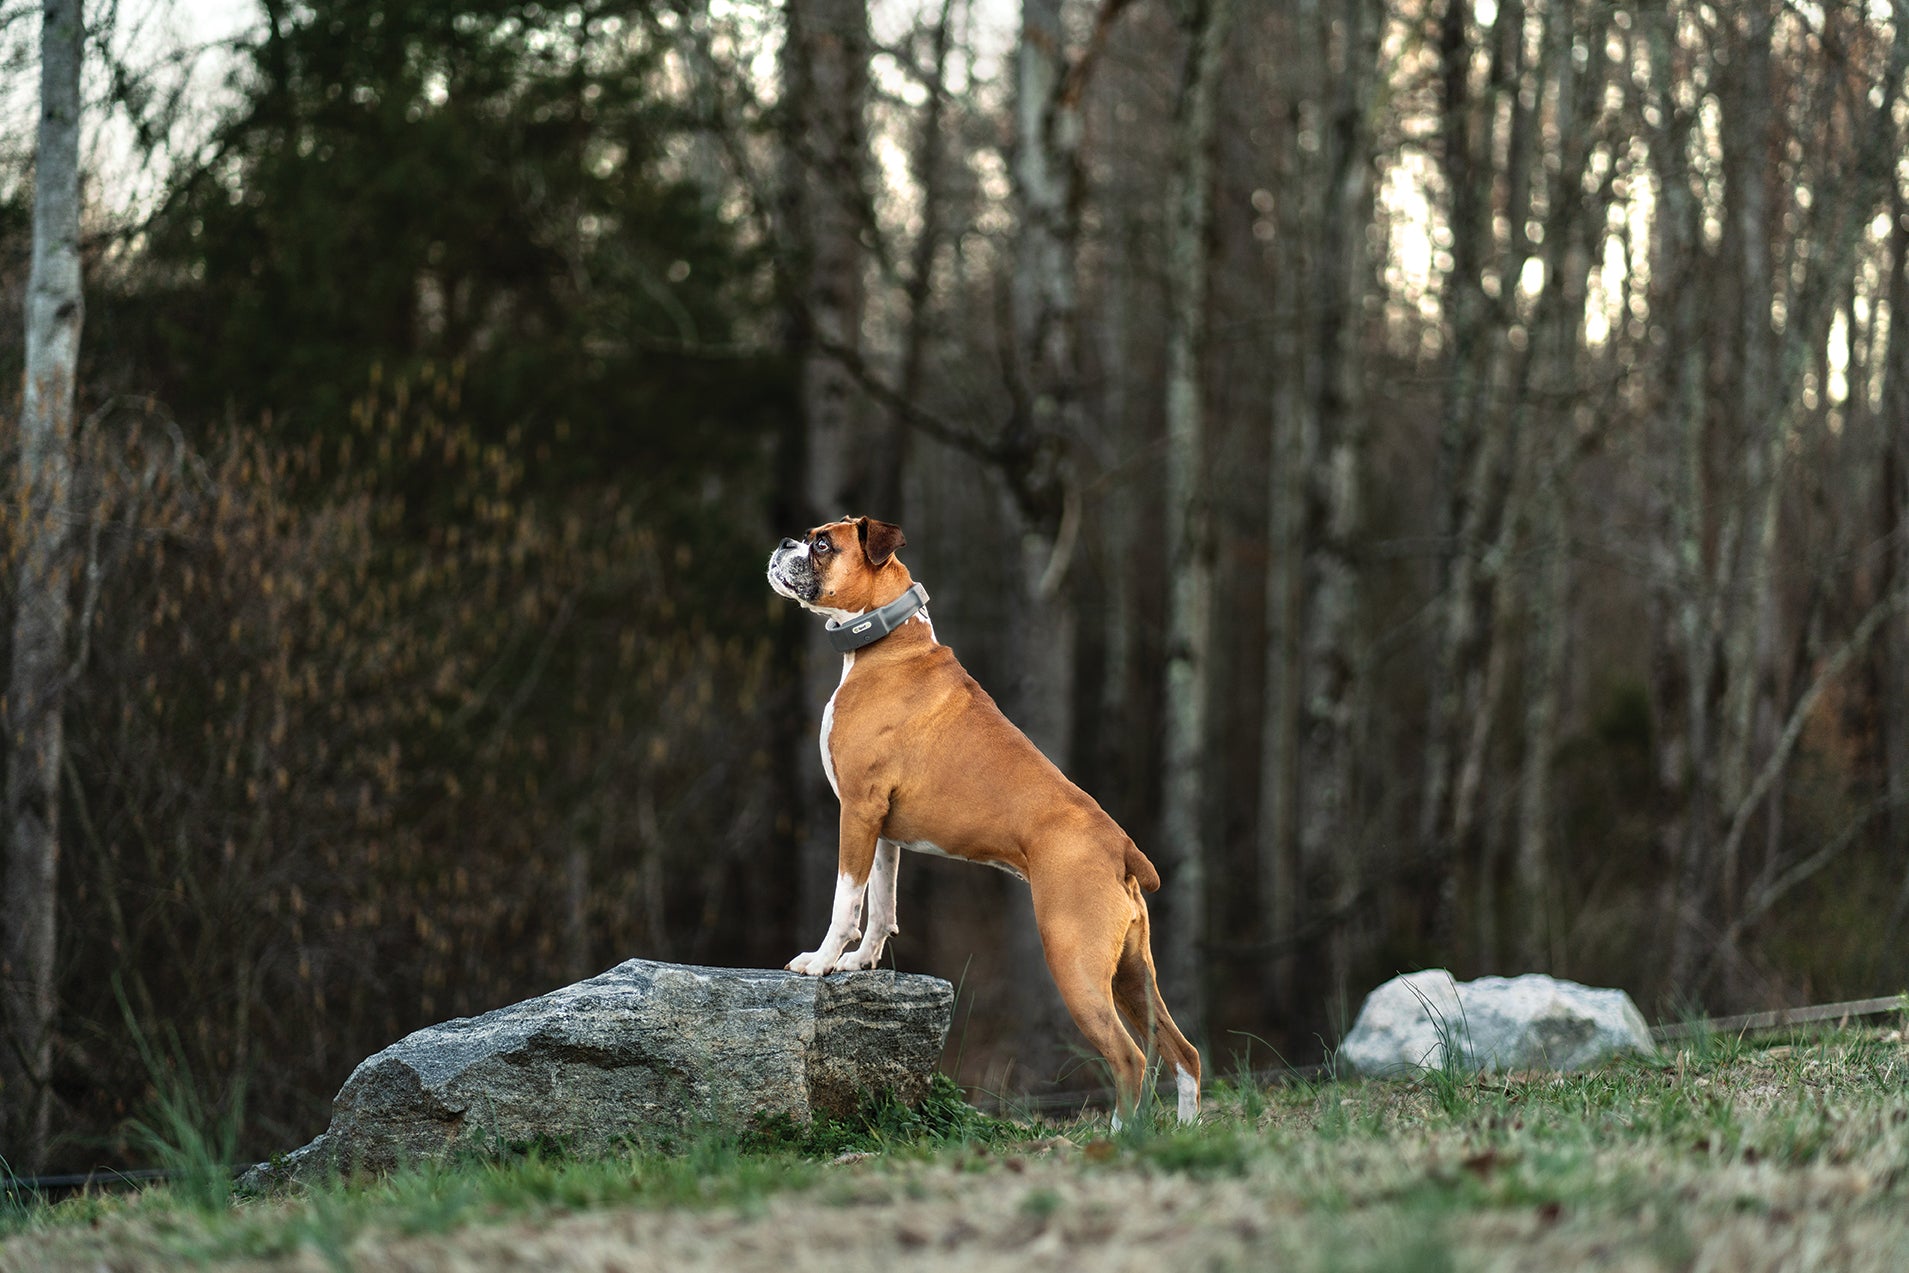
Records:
x=1777, y=889
x=1074, y=83
x=1779, y=759
x=908, y=410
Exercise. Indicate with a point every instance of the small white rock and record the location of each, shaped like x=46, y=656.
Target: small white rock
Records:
x=1532, y=1022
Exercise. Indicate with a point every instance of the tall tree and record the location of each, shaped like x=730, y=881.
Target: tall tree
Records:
x=1748, y=546
x=1480, y=117
x=36, y=693
x=1893, y=510
x=440, y=184
x=825, y=85
x=1547, y=411
x=825, y=81
x=1326, y=185
x=1804, y=157
x=1034, y=460
x=1190, y=544
x=1045, y=421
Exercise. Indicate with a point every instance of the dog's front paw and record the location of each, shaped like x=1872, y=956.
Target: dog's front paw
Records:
x=810, y=964
x=859, y=960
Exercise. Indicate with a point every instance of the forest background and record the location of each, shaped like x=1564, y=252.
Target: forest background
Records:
x=1435, y=470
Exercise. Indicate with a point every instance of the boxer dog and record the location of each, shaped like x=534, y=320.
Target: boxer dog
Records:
x=921, y=758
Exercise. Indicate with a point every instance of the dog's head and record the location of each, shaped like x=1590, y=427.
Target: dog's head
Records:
x=843, y=568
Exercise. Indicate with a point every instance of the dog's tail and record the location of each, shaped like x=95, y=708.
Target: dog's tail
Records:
x=1137, y=866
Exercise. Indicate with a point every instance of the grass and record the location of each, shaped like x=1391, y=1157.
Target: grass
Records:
x=1777, y=1154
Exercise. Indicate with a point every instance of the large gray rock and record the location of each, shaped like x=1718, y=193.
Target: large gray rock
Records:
x=642, y=1049
x=1533, y=1022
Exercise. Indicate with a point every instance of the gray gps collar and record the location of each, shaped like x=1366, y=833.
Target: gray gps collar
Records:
x=849, y=635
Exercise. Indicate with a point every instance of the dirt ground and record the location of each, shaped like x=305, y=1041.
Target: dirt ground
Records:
x=1049, y=1218
x=1042, y=1214
x=1753, y=1160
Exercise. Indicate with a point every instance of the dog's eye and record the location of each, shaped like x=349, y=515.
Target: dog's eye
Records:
x=823, y=546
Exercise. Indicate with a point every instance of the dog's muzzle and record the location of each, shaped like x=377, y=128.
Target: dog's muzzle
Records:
x=792, y=573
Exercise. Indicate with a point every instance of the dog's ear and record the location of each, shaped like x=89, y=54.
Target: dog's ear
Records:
x=879, y=539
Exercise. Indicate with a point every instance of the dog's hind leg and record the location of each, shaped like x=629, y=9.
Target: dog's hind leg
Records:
x=1136, y=990
x=1081, y=937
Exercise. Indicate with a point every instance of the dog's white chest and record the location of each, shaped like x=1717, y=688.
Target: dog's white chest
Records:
x=828, y=726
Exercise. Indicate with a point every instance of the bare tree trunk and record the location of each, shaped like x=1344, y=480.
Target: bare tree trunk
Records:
x=1297, y=77
x=1464, y=304
x=825, y=77
x=928, y=163
x=36, y=694
x=1894, y=508
x=1749, y=643
x=1309, y=845
x=1685, y=759
x=1190, y=545
x=1575, y=231
x=1476, y=443
x=1120, y=507
x=1043, y=499
x=1282, y=878
x=1332, y=447
x=1046, y=171
x=1548, y=622
x=825, y=74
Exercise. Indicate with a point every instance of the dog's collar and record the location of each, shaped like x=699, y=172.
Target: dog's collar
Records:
x=851, y=634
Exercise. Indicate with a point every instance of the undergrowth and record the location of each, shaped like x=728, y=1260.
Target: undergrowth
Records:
x=1376, y=1173
x=881, y=1124
x=206, y=1217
